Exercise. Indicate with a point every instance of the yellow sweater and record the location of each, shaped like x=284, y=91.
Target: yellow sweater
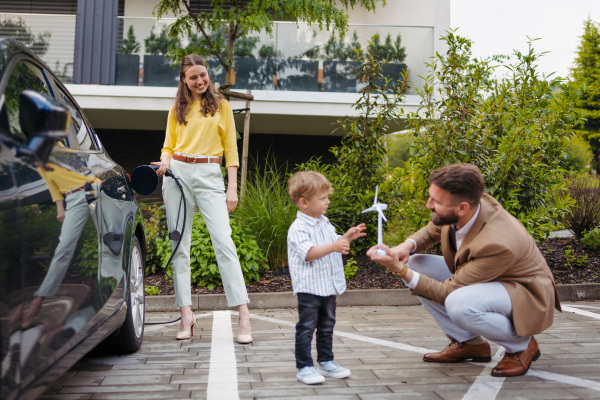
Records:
x=210, y=135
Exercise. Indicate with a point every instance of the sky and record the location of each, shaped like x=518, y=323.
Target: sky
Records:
x=500, y=27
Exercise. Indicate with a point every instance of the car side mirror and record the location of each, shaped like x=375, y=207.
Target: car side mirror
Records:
x=43, y=121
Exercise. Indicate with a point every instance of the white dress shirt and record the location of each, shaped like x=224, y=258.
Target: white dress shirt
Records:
x=323, y=276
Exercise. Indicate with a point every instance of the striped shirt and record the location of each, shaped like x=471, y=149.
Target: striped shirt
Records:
x=323, y=276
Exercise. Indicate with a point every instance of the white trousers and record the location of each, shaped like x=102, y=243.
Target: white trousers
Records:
x=482, y=309
x=203, y=187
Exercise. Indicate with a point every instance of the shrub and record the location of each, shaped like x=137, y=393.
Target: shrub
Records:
x=155, y=227
x=578, y=154
x=574, y=260
x=513, y=128
x=267, y=211
x=350, y=268
x=591, y=239
x=584, y=215
x=202, y=256
x=151, y=290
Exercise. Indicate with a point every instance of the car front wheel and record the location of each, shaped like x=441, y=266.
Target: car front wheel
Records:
x=130, y=335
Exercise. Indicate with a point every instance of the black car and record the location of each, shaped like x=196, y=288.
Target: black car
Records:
x=72, y=253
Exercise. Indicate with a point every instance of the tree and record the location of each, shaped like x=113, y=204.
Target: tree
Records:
x=586, y=78
x=239, y=18
x=514, y=128
x=130, y=44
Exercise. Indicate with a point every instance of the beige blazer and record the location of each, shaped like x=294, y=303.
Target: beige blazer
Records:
x=497, y=248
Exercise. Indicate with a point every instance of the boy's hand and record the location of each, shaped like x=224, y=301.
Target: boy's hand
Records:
x=355, y=232
x=342, y=245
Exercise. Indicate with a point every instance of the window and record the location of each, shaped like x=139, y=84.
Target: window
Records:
x=78, y=129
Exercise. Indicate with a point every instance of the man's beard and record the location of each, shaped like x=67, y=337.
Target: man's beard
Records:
x=446, y=220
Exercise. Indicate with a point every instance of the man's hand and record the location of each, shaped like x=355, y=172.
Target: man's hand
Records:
x=390, y=259
x=355, y=232
x=403, y=250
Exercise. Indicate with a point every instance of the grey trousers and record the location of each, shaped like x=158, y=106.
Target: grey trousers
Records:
x=482, y=309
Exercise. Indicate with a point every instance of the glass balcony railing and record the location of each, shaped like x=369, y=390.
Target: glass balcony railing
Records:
x=297, y=57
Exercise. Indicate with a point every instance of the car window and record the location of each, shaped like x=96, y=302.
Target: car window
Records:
x=78, y=128
x=24, y=76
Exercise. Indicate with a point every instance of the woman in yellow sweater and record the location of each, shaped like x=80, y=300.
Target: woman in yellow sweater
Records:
x=200, y=130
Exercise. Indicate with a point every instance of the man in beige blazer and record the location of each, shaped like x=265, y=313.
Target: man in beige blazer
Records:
x=490, y=282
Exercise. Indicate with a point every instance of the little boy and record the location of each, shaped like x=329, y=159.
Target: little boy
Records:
x=315, y=261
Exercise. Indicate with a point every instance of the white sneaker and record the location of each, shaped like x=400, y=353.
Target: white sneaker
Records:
x=332, y=370
x=310, y=376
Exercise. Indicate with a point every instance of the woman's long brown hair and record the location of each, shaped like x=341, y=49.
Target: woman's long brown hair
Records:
x=184, y=99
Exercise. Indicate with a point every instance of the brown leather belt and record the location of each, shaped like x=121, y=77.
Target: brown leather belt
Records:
x=196, y=160
x=74, y=190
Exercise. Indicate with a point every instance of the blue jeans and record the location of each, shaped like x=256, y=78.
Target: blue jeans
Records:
x=314, y=312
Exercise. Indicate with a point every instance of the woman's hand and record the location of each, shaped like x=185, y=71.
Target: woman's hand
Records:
x=232, y=198
x=231, y=194
x=163, y=165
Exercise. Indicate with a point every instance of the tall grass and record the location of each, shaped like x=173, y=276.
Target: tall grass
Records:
x=267, y=210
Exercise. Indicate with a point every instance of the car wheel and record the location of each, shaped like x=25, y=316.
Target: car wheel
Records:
x=130, y=335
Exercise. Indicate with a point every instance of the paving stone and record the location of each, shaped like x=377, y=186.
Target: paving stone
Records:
x=378, y=352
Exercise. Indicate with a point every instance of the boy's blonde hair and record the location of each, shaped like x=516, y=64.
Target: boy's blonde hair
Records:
x=306, y=184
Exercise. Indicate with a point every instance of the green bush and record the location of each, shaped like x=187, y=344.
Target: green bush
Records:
x=591, y=239
x=584, y=214
x=202, y=256
x=266, y=210
x=151, y=290
x=351, y=268
x=578, y=154
x=155, y=227
x=513, y=128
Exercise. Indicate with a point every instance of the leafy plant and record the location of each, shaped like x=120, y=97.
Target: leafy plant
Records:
x=573, y=260
x=584, y=215
x=151, y=290
x=160, y=44
x=155, y=228
x=591, y=239
x=130, y=44
x=203, y=263
x=350, y=268
x=244, y=46
x=267, y=211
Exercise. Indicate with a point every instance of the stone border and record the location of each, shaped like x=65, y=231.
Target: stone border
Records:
x=369, y=297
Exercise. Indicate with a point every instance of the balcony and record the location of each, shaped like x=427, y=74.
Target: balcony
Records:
x=300, y=71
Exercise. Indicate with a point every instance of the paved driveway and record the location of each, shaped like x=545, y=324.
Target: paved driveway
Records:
x=383, y=347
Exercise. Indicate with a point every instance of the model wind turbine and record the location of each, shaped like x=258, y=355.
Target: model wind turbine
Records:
x=379, y=207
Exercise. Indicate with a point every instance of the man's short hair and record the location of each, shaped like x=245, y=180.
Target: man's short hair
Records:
x=306, y=184
x=463, y=181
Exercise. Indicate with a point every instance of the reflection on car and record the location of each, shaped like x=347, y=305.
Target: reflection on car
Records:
x=72, y=254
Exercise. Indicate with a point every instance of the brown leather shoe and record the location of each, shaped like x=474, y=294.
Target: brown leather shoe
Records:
x=457, y=352
x=515, y=364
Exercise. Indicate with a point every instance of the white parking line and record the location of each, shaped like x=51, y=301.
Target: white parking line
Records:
x=222, y=375
x=581, y=312
x=486, y=386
